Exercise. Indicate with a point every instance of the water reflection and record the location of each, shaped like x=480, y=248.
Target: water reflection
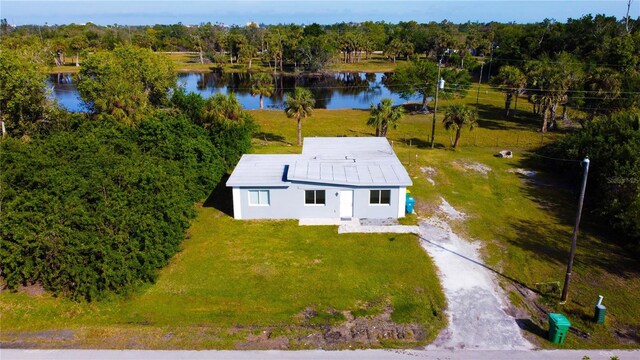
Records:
x=331, y=91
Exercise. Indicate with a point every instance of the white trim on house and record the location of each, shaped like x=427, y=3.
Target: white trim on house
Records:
x=402, y=201
x=261, y=199
x=237, y=204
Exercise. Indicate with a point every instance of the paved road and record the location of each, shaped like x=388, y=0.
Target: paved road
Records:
x=9, y=354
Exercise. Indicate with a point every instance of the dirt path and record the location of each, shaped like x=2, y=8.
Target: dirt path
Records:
x=477, y=319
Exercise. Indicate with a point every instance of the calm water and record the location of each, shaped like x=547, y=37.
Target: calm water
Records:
x=334, y=91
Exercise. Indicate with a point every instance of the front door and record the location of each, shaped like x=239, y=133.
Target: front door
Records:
x=346, y=203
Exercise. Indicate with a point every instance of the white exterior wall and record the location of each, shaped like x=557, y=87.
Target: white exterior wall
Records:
x=288, y=203
x=402, y=202
x=237, y=204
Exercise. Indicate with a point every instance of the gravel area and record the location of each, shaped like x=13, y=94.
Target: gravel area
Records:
x=476, y=306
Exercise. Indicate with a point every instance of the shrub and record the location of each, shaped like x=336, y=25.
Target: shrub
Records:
x=102, y=207
x=613, y=193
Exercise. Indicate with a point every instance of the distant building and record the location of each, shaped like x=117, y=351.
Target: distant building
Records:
x=334, y=177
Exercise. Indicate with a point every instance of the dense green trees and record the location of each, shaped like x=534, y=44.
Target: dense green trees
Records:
x=125, y=82
x=416, y=77
x=24, y=106
x=421, y=76
x=101, y=207
x=613, y=193
x=97, y=203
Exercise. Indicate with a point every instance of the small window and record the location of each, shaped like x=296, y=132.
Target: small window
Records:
x=380, y=197
x=314, y=197
x=259, y=197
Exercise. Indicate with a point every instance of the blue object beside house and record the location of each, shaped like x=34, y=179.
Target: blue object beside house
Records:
x=334, y=177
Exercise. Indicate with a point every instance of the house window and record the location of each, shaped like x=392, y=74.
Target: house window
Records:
x=314, y=197
x=259, y=197
x=380, y=197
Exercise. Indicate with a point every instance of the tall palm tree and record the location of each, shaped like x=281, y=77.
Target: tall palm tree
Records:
x=384, y=115
x=456, y=117
x=299, y=105
x=261, y=84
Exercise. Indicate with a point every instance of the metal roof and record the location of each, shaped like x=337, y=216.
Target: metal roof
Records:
x=261, y=170
x=364, y=161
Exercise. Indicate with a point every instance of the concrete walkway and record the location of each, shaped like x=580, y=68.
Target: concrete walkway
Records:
x=358, y=228
x=315, y=354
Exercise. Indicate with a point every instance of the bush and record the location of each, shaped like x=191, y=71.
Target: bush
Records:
x=102, y=207
x=230, y=128
x=613, y=145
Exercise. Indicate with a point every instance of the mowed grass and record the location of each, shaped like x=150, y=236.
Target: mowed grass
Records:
x=235, y=278
x=225, y=283
x=524, y=223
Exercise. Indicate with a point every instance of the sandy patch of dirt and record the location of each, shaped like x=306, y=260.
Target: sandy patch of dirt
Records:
x=429, y=172
x=523, y=172
x=449, y=211
x=32, y=289
x=475, y=302
x=473, y=166
x=355, y=332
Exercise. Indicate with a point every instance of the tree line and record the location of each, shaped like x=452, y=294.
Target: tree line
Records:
x=593, y=39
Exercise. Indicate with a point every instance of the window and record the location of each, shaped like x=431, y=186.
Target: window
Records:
x=314, y=197
x=259, y=197
x=380, y=197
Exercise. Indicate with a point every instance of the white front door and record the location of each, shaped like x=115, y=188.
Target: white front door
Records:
x=346, y=203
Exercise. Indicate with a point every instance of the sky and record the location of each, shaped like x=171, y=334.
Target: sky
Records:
x=239, y=12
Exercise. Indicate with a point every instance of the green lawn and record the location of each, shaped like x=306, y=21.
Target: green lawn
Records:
x=237, y=278
x=524, y=224
x=234, y=279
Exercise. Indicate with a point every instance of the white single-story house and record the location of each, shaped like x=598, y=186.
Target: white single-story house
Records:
x=333, y=178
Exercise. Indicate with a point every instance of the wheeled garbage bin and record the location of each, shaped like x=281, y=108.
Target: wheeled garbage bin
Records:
x=558, y=327
x=410, y=203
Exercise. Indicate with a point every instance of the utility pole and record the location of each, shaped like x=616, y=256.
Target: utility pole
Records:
x=626, y=19
x=490, y=62
x=439, y=84
x=479, y=83
x=572, y=253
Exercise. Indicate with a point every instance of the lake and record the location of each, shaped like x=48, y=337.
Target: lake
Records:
x=331, y=91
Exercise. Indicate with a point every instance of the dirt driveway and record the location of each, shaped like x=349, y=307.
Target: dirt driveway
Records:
x=476, y=311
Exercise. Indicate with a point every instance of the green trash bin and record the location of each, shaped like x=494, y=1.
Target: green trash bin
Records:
x=599, y=314
x=558, y=327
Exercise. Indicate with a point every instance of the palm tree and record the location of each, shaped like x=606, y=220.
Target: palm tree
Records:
x=511, y=81
x=261, y=84
x=456, y=117
x=299, y=105
x=384, y=116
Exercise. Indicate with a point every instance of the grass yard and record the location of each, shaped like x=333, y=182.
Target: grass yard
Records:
x=235, y=280
x=524, y=224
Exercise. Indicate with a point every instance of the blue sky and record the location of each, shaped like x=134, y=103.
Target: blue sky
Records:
x=144, y=12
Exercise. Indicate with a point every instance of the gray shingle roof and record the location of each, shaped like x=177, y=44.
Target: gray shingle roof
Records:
x=365, y=161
